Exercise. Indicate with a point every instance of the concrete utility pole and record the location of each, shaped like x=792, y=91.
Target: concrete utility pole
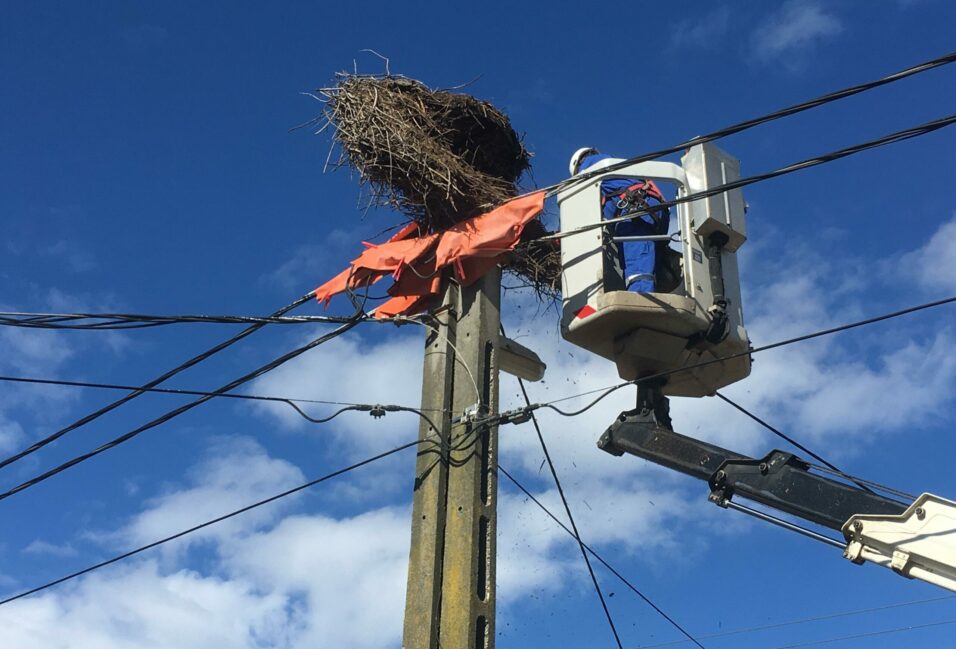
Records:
x=450, y=601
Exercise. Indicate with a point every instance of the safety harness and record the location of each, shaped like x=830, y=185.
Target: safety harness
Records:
x=634, y=199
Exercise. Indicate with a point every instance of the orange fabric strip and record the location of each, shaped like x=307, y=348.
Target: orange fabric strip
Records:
x=471, y=248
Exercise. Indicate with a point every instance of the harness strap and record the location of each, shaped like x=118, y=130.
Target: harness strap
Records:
x=648, y=187
x=634, y=198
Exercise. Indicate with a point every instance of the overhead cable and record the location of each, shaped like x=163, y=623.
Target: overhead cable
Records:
x=804, y=620
x=291, y=401
x=607, y=565
x=827, y=467
x=782, y=343
x=208, y=523
x=869, y=634
x=757, y=121
x=783, y=436
x=567, y=510
x=271, y=365
x=113, y=321
x=696, y=639
x=906, y=496
x=150, y=384
x=898, y=136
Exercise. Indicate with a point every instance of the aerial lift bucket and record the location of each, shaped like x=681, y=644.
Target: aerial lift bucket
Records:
x=652, y=333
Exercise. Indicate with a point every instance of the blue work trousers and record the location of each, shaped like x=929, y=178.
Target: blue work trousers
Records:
x=637, y=257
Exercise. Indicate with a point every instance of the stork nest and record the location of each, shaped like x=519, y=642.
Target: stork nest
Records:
x=437, y=156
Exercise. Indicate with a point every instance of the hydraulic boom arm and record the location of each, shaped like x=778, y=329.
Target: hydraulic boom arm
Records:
x=916, y=540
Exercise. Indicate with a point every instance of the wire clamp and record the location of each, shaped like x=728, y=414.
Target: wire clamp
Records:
x=516, y=416
x=378, y=410
x=472, y=413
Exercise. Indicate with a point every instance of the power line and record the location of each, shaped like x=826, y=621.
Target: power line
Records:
x=594, y=554
x=689, y=637
x=260, y=322
x=150, y=384
x=806, y=620
x=291, y=401
x=782, y=343
x=757, y=121
x=908, y=497
x=113, y=321
x=827, y=467
x=567, y=510
x=218, y=519
x=787, y=438
x=870, y=634
x=892, y=138
x=180, y=410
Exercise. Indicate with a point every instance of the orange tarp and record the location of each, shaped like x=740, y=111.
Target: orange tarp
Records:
x=471, y=248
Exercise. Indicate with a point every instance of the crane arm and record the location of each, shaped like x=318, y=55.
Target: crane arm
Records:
x=916, y=540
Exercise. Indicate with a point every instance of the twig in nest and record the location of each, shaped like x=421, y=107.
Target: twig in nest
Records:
x=438, y=157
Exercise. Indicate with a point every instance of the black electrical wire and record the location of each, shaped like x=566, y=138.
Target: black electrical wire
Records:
x=869, y=634
x=750, y=123
x=607, y=565
x=218, y=519
x=721, y=359
x=805, y=620
x=907, y=497
x=113, y=321
x=787, y=438
x=581, y=178
x=376, y=410
x=184, y=408
x=898, y=136
x=567, y=510
x=291, y=401
x=150, y=384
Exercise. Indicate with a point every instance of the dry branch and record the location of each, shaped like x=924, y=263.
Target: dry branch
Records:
x=438, y=157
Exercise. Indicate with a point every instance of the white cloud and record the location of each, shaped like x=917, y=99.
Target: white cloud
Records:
x=305, y=581
x=40, y=547
x=138, y=606
x=272, y=580
x=352, y=369
x=831, y=389
x=705, y=31
x=933, y=265
x=793, y=31
x=236, y=472
x=821, y=391
x=312, y=264
x=338, y=568
x=853, y=397
x=34, y=352
x=11, y=434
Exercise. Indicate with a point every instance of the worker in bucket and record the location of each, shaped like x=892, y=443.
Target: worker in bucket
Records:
x=620, y=197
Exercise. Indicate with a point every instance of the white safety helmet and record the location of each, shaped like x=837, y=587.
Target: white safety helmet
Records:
x=578, y=156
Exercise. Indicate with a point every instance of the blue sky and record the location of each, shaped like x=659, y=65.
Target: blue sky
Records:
x=148, y=166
